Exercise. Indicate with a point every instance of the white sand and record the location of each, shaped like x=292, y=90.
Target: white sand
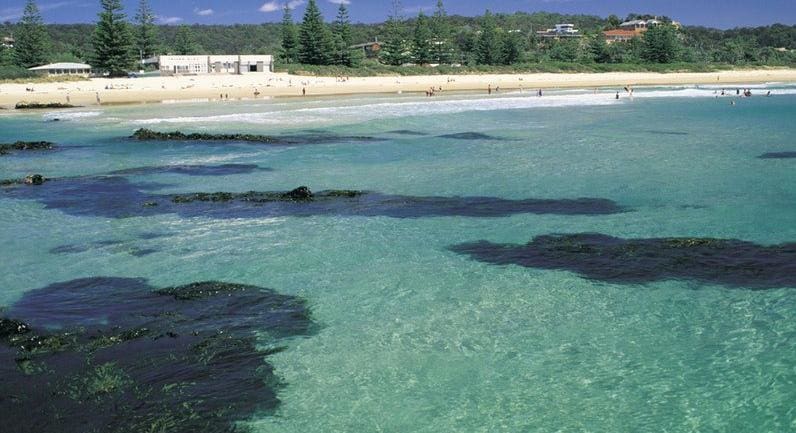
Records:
x=211, y=87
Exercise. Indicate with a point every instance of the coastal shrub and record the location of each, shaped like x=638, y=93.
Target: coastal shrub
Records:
x=15, y=72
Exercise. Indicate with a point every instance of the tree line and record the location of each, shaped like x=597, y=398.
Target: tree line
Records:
x=114, y=44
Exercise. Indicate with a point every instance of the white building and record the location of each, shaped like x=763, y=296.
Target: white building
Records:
x=64, y=69
x=7, y=42
x=639, y=25
x=561, y=31
x=228, y=64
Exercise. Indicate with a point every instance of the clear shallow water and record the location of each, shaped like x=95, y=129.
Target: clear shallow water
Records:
x=417, y=338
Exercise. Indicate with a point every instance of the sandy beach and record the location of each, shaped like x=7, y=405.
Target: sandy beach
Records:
x=212, y=87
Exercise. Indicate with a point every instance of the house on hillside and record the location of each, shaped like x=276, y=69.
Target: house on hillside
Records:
x=370, y=49
x=222, y=64
x=620, y=35
x=7, y=42
x=78, y=69
x=560, y=31
x=639, y=26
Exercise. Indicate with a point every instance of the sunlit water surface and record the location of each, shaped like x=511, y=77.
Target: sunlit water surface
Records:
x=414, y=337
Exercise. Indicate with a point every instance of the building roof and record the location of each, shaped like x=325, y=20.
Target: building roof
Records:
x=632, y=23
x=61, y=66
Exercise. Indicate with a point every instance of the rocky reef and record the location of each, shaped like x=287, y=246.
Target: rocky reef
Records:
x=144, y=134
x=148, y=134
x=117, y=197
x=22, y=146
x=41, y=106
x=727, y=262
x=32, y=179
x=117, y=355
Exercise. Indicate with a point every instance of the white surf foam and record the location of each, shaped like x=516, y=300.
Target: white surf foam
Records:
x=70, y=115
x=379, y=108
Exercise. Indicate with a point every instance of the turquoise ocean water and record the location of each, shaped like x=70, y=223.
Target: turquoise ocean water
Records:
x=414, y=337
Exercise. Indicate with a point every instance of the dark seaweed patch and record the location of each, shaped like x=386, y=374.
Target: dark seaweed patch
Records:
x=728, y=262
x=275, y=140
x=407, y=132
x=470, y=136
x=192, y=170
x=118, y=198
x=778, y=155
x=116, y=355
x=80, y=248
x=154, y=235
x=661, y=132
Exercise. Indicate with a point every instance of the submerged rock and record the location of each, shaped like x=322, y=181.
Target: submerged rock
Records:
x=193, y=170
x=470, y=136
x=778, y=155
x=117, y=355
x=117, y=197
x=5, y=149
x=728, y=262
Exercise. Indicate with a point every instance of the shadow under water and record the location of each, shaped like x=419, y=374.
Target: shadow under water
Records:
x=728, y=262
x=117, y=197
x=117, y=355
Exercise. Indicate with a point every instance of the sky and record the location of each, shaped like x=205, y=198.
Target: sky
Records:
x=712, y=13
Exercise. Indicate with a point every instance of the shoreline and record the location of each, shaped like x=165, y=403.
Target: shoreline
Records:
x=105, y=91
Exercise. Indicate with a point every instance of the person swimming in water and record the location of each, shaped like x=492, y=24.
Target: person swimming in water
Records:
x=617, y=95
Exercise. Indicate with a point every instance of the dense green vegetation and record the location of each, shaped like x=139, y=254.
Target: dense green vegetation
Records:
x=492, y=42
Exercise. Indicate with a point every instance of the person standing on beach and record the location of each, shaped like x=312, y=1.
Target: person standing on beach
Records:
x=303, y=91
x=617, y=95
x=98, y=99
x=489, y=89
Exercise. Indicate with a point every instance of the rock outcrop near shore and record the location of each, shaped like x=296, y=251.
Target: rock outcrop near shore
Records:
x=144, y=134
x=727, y=262
x=118, y=355
x=42, y=106
x=22, y=146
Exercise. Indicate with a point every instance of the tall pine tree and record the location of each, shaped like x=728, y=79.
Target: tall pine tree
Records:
x=32, y=42
x=421, y=42
x=290, y=43
x=112, y=40
x=343, y=39
x=441, y=31
x=315, y=39
x=661, y=44
x=146, y=33
x=185, y=42
x=394, y=50
x=488, y=48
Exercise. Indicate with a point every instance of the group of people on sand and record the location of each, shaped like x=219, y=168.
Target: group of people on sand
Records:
x=341, y=79
x=223, y=96
x=433, y=91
